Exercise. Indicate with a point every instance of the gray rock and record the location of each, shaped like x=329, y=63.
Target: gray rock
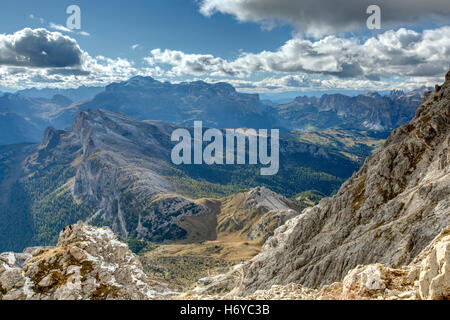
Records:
x=87, y=264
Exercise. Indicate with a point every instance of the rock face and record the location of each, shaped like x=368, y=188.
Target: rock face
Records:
x=432, y=267
x=87, y=264
x=121, y=165
x=386, y=213
x=251, y=215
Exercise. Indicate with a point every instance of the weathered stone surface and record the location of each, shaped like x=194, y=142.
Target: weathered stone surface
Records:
x=433, y=269
x=87, y=264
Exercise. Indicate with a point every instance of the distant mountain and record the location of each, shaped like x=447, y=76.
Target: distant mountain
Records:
x=24, y=119
x=77, y=94
x=110, y=169
x=217, y=105
x=370, y=111
x=17, y=129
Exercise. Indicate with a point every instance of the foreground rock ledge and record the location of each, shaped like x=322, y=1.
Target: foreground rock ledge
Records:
x=91, y=264
x=87, y=264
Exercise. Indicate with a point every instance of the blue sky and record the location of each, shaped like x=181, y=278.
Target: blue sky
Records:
x=286, y=49
x=174, y=24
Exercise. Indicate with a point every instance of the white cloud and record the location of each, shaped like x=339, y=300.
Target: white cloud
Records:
x=320, y=17
x=192, y=64
x=394, y=59
x=135, y=46
x=62, y=28
x=33, y=17
x=404, y=53
x=39, y=48
x=59, y=27
x=39, y=57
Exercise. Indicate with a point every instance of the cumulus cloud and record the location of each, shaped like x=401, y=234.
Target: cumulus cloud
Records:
x=400, y=58
x=39, y=48
x=404, y=53
x=67, y=72
x=192, y=64
x=320, y=17
x=305, y=84
x=39, y=57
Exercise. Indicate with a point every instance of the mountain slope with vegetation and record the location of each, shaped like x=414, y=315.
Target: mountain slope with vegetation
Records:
x=113, y=170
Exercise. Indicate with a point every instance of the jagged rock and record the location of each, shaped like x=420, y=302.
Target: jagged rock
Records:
x=87, y=264
x=386, y=213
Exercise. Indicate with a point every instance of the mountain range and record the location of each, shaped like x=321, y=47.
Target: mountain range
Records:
x=110, y=169
x=391, y=212
x=24, y=119
x=77, y=94
x=26, y=114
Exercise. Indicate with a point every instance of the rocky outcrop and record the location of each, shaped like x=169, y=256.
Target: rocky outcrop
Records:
x=386, y=213
x=87, y=264
x=274, y=211
x=432, y=269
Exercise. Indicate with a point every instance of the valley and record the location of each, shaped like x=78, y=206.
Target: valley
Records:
x=116, y=171
x=234, y=232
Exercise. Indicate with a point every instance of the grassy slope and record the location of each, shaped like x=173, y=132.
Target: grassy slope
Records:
x=225, y=242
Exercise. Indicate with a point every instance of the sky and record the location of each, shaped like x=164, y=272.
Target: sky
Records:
x=282, y=47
